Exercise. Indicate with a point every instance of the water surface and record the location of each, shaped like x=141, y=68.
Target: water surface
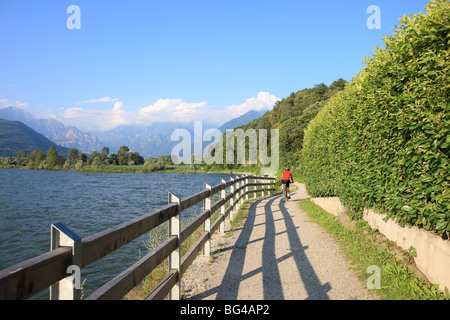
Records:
x=32, y=200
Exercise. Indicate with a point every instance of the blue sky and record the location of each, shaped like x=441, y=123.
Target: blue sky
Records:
x=142, y=61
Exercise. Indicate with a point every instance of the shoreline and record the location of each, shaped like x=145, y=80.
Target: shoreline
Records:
x=126, y=169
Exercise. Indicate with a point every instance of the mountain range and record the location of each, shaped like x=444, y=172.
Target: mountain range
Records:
x=152, y=140
x=67, y=136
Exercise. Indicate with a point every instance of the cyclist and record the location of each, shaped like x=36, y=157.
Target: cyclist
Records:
x=286, y=179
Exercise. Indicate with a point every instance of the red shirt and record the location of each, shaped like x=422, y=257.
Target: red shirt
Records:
x=286, y=175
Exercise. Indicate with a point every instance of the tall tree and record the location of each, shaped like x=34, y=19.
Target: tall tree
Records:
x=52, y=157
x=21, y=157
x=72, y=154
x=123, y=155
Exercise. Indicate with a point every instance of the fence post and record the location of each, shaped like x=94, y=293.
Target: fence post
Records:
x=265, y=186
x=223, y=194
x=241, y=184
x=207, y=223
x=175, y=256
x=68, y=288
x=246, y=187
x=236, y=194
x=232, y=199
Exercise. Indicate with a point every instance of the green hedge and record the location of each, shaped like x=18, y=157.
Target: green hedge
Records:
x=384, y=141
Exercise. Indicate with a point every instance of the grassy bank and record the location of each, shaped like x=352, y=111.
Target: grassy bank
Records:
x=182, y=168
x=365, y=247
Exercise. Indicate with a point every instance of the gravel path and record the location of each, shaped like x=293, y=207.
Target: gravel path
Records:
x=277, y=254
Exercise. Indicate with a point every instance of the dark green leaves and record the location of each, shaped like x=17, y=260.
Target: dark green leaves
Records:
x=384, y=141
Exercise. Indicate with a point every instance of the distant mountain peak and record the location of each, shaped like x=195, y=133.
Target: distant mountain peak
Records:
x=52, y=129
x=241, y=120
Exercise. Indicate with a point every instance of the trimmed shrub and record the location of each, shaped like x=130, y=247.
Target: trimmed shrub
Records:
x=384, y=141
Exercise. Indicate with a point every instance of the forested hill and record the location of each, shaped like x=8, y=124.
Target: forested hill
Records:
x=15, y=136
x=292, y=115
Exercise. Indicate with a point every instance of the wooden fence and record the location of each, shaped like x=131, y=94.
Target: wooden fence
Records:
x=69, y=253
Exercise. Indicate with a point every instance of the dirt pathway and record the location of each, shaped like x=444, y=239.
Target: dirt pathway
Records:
x=277, y=254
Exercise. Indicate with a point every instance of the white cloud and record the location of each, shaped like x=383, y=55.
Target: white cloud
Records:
x=104, y=99
x=263, y=101
x=89, y=119
x=173, y=110
x=162, y=110
x=177, y=110
x=4, y=103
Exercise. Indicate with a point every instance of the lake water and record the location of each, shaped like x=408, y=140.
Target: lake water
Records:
x=32, y=200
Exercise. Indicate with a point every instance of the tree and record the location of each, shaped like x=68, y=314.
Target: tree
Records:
x=153, y=164
x=135, y=159
x=21, y=157
x=72, y=154
x=105, y=151
x=71, y=157
x=82, y=156
x=114, y=159
x=123, y=155
x=94, y=155
x=104, y=155
x=96, y=162
x=52, y=157
x=34, y=158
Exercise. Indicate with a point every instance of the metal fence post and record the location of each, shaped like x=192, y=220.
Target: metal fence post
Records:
x=265, y=186
x=223, y=194
x=207, y=223
x=246, y=187
x=232, y=199
x=68, y=288
x=175, y=256
x=238, y=192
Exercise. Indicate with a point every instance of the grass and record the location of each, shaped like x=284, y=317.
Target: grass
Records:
x=182, y=168
x=365, y=247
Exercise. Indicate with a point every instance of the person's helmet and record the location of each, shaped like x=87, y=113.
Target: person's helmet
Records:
x=287, y=169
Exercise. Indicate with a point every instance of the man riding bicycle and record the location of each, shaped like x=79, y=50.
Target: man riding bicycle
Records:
x=286, y=179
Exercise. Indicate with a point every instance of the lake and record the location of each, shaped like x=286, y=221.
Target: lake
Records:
x=32, y=200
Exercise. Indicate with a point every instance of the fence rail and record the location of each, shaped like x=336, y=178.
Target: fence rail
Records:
x=50, y=270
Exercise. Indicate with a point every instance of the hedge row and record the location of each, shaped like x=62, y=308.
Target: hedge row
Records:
x=384, y=141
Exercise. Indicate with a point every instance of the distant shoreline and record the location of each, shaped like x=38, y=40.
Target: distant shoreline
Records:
x=138, y=169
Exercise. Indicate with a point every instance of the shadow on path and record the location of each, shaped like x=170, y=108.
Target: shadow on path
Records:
x=271, y=281
x=315, y=290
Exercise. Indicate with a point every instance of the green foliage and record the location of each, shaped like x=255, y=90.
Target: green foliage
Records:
x=291, y=116
x=156, y=164
x=52, y=157
x=384, y=141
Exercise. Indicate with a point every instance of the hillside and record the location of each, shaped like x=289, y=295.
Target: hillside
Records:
x=241, y=120
x=67, y=136
x=14, y=136
x=292, y=115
